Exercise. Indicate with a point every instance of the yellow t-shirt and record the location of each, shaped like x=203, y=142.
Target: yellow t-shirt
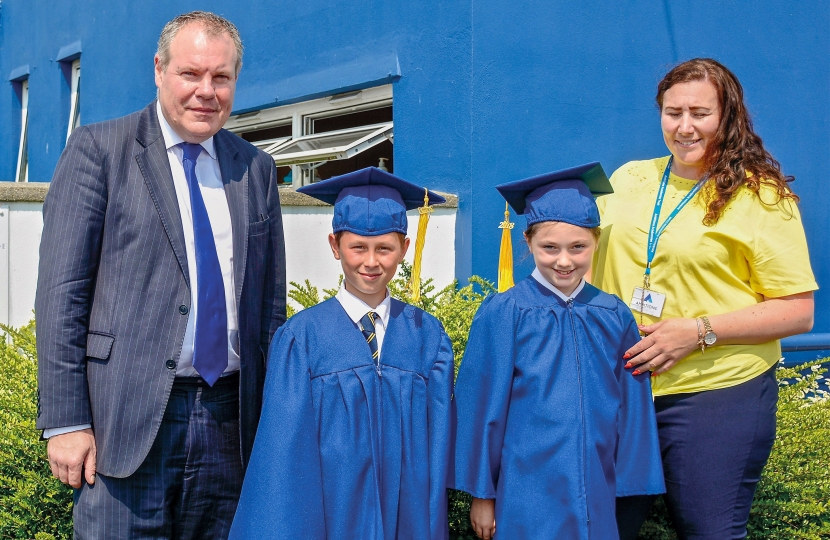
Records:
x=754, y=251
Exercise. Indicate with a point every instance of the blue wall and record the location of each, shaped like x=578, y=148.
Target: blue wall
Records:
x=564, y=83
x=484, y=91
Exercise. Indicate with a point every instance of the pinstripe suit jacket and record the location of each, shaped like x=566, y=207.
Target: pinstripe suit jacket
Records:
x=113, y=275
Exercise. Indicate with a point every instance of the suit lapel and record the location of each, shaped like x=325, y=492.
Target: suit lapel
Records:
x=155, y=167
x=235, y=178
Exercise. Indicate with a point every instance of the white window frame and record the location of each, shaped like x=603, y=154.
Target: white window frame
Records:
x=301, y=116
x=377, y=133
x=270, y=143
x=75, y=98
x=22, y=171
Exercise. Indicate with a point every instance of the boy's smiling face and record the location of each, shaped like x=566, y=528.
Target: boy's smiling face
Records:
x=562, y=253
x=369, y=262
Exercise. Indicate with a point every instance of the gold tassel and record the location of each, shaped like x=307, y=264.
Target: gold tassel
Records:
x=506, y=252
x=420, y=239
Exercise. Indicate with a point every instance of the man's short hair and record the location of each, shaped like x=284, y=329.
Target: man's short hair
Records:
x=213, y=24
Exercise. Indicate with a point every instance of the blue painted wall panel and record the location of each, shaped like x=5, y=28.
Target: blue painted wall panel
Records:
x=559, y=84
x=485, y=91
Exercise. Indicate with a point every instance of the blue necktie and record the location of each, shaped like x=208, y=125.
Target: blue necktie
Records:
x=210, y=350
x=367, y=326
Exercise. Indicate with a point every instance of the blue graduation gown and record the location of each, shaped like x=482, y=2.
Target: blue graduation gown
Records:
x=550, y=424
x=342, y=452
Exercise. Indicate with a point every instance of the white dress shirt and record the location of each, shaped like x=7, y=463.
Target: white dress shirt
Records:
x=216, y=203
x=537, y=275
x=356, y=308
x=213, y=193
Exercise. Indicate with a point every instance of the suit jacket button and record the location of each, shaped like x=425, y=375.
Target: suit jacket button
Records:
x=183, y=309
x=171, y=364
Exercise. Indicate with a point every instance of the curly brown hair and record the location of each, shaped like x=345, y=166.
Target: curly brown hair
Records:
x=736, y=149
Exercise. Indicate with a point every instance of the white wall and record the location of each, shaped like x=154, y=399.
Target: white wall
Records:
x=309, y=256
x=19, y=277
x=307, y=252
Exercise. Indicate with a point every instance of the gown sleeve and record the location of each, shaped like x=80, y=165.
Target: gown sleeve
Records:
x=639, y=466
x=282, y=495
x=441, y=420
x=482, y=395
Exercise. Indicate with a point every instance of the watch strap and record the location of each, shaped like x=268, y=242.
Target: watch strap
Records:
x=700, y=342
x=706, y=325
x=709, y=335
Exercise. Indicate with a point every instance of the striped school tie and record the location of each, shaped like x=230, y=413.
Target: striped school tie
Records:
x=367, y=325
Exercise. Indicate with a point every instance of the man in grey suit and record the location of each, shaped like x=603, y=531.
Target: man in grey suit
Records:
x=161, y=283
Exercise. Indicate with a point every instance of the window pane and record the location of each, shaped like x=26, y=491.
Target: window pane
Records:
x=361, y=118
x=75, y=98
x=333, y=140
x=22, y=173
x=275, y=132
x=367, y=158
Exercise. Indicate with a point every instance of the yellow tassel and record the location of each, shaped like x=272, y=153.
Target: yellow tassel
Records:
x=506, y=252
x=420, y=239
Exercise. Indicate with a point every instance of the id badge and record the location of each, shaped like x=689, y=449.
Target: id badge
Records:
x=648, y=302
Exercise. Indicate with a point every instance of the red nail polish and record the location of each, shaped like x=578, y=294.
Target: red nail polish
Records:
x=626, y=356
x=628, y=365
x=636, y=372
x=653, y=374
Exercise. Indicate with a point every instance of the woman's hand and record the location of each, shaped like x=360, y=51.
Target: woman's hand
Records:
x=483, y=517
x=665, y=344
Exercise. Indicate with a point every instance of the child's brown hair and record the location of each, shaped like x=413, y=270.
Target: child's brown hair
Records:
x=533, y=229
x=401, y=238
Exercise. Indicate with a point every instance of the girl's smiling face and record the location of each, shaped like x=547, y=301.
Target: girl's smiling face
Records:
x=562, y=253
x=690, y=118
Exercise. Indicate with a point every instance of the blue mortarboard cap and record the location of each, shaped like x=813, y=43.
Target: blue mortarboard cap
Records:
x=566, y=195
x=370, y=202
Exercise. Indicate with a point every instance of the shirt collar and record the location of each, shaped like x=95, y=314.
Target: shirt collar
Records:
x=357, y=308
x=171, y=138
x=537, y=275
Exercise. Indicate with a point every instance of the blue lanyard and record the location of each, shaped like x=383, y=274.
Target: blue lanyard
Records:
x=653, y=232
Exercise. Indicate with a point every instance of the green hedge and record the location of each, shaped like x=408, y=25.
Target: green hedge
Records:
x=32, y=503
x=792, y=501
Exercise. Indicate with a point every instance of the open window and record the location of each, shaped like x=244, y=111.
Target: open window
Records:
x=22, y=172
x=320, y=148
x=75, y=98
x=321, y=138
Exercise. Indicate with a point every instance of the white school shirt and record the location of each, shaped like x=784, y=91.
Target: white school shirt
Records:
x=213, y=193
x=537, y=275
x=356, y=308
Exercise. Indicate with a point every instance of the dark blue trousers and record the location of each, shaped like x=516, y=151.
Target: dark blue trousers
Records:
x=715, y=445
x=189, y=485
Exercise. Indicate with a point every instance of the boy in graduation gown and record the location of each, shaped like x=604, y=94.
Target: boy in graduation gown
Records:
x=355, y=435
x=553, y=431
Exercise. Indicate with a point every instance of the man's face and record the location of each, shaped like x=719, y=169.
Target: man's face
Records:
x=196, y=90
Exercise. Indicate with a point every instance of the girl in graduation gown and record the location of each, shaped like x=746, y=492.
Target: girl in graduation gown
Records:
x=350, y=447
x=549, y=423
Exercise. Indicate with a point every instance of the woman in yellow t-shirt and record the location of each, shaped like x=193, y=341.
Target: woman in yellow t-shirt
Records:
x=728, y=278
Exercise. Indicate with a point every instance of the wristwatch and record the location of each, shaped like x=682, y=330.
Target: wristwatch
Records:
x=709, y=337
